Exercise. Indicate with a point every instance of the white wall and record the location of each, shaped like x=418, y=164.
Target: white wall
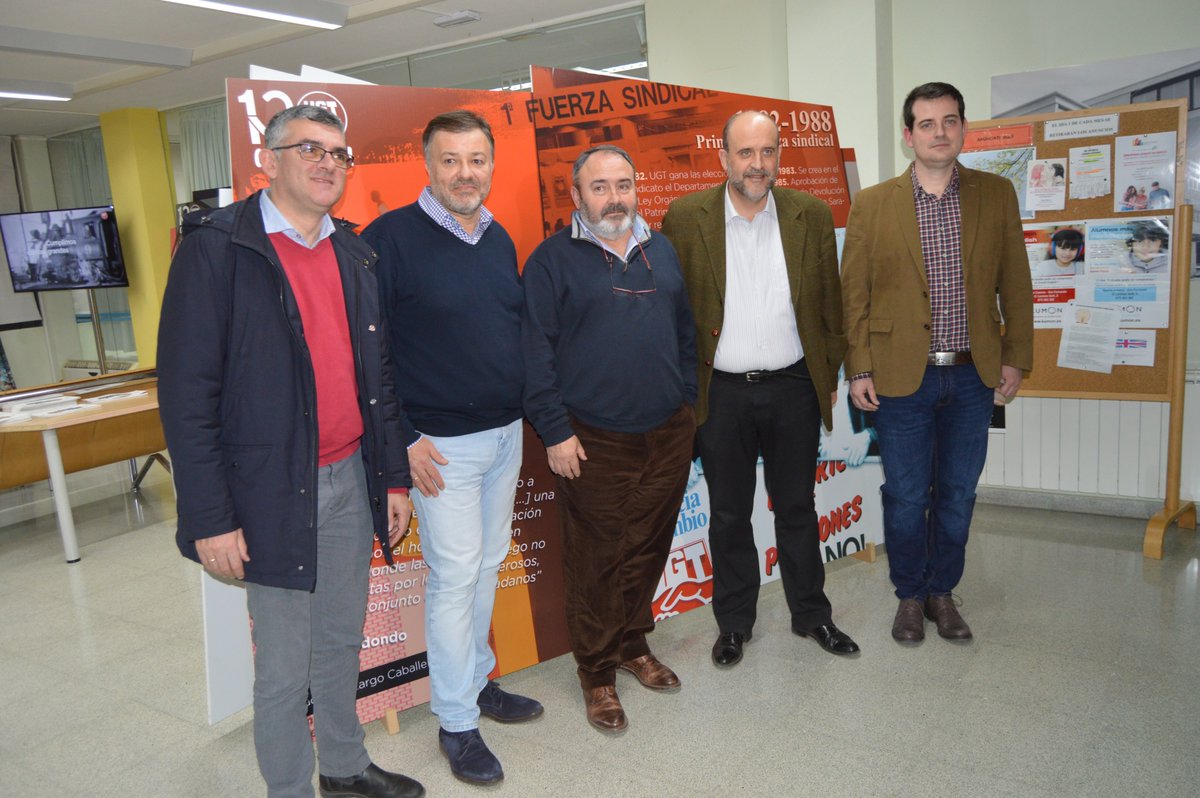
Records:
x=739, y=47
x=840, y=55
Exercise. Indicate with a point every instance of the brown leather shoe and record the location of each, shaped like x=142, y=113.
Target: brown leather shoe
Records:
x=651, y=673
x=950, y=625
x=909, y=626
x=604, y=709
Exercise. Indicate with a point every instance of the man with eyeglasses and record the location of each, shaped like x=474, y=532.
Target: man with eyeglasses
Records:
x=610, y=358
x=451, y=292
x=277, y=400
x=762, y=274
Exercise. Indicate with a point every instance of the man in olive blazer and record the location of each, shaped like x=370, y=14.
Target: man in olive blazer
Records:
x=761, y=269
x=696, y=226
x=939, y=315
x=886, y=295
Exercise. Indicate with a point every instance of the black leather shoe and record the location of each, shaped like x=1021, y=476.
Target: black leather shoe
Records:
x=374, y=782
x=727, y=651
x=506, y=707
x=470, y=759
x=830, y=638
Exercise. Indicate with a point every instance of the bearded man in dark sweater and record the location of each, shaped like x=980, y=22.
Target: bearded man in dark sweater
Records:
x=610, y=360
x=452, y=295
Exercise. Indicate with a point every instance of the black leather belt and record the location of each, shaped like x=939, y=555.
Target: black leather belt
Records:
x=761, y=375
x=949, y=358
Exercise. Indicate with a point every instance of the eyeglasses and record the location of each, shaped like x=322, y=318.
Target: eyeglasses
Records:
x=311, y=152
x=634, y=292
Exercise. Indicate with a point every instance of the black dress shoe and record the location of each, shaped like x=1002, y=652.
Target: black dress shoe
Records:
x=830, y=638
x=374, y=782
x=727, y=651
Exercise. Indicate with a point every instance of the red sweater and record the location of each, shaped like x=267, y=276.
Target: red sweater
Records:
x=317, y=284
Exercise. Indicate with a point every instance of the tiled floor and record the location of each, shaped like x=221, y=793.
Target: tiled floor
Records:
x=1082, y=681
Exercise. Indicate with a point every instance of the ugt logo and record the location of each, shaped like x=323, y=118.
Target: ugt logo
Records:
x=686, y=581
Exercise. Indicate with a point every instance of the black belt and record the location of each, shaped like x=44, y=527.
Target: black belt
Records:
x=949, y=358
x=762, y=375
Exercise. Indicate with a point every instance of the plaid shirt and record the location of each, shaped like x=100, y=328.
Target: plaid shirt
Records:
x=443, y=217
x=940, y=222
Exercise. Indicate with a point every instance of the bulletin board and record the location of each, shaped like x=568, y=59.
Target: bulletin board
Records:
x=1141, y=383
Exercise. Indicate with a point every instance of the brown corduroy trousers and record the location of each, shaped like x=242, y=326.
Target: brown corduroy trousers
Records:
x=618, y=521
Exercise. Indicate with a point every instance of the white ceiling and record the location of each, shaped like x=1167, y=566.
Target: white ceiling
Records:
x=223, y=45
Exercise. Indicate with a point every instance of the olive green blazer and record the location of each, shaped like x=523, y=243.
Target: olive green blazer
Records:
x=695, y=224
x=886, y=294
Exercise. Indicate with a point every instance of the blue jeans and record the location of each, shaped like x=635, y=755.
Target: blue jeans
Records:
x=933, y=444
x=465, y=534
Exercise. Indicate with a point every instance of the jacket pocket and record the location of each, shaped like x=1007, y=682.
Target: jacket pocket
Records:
x=244, y=463
x=879, y=325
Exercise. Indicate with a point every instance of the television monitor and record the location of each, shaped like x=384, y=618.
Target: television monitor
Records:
x=63, y=249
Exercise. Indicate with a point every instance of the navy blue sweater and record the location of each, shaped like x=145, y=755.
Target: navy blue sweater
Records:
x=454, y=320
x=620, y=361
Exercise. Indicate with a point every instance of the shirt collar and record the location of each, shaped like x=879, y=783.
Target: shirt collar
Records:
x=580, y=231
x=438, y=212
x=731, y=212
x=951, y=187
x=275, y=222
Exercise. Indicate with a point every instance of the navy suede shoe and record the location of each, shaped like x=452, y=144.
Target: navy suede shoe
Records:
x=470, y=759
x=507, y=707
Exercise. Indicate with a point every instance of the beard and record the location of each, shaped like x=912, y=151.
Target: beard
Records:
x=461, y=206
x=604, y=227
x=739, y=185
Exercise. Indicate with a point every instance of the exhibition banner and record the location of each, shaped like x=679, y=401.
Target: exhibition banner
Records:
x=383, y=132
x=673, y=134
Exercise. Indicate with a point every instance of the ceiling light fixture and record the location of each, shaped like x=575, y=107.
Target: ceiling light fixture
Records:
x=457, y=18
x=314, y=13
x=36, y=90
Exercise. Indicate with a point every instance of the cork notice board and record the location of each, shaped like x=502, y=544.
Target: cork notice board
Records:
x=1144, y=383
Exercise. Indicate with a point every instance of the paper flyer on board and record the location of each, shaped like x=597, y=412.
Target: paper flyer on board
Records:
x=1144, y=172
x=1090, y=171
x=1046, y=187
x=1056, y=255
x=1089, y=338
x=1135, y=348
x=1130, y=246
x=1011, y=163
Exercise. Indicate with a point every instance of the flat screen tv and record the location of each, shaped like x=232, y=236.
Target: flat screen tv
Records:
x=63, y=249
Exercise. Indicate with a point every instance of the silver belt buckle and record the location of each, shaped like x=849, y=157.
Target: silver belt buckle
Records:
x=943, y=358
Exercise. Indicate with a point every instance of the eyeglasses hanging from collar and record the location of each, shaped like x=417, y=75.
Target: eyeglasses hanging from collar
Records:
x=627, y=277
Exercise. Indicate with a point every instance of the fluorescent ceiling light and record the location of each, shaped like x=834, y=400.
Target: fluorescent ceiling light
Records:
x=314, y=13
x=36, y=90
x=456, y=18
x=92, y=48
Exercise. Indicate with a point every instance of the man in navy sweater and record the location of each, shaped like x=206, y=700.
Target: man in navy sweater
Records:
x=451, y=292
x=610, y=360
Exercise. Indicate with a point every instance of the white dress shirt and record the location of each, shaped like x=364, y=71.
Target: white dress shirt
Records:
x=759, y=331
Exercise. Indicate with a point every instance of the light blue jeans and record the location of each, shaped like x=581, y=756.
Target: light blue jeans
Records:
x=465, y=534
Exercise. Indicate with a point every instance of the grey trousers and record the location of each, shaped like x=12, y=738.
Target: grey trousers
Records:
x=310, y=641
